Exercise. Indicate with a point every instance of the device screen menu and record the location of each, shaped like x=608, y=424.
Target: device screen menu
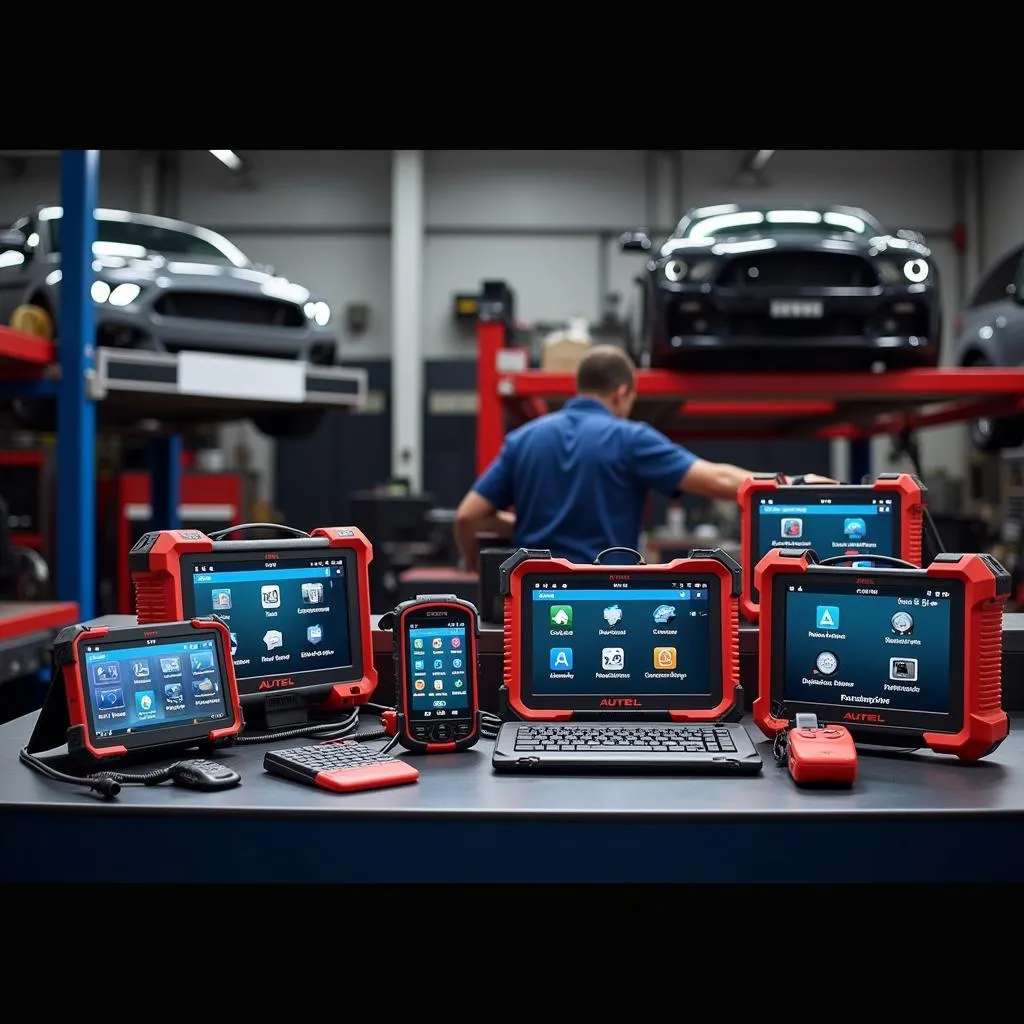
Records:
x=620, y=641
x=137, y=688
x=290, y=617
x=888, y=650
x=439, y=680
x=828, y=527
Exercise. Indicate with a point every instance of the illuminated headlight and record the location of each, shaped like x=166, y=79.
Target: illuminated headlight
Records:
x=318, y=312
x=916, y=271
x=120, y=295
x=675, y=270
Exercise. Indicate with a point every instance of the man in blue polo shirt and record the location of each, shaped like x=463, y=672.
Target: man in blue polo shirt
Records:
x=578, y=478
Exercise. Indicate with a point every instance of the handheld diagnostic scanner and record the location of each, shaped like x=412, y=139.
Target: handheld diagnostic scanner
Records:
x=593, y=641
x=297, y=611
x=435, y=641
x=901, y=656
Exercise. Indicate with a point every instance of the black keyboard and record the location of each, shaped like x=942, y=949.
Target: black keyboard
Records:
x=343, y=766
x=624, y=746
x=688, y=739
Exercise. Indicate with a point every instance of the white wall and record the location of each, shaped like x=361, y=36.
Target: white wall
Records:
x=534, y=218
x=1001, y=203
x=120, y=183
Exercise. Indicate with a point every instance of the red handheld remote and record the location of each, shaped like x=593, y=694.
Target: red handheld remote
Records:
x=822, y=754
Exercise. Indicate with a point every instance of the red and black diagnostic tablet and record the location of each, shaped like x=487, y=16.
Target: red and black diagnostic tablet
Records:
x=884, y=517
x=297, y=611
x=127, y=691
x=621, y=641
x=435, y=638
x=901, y=656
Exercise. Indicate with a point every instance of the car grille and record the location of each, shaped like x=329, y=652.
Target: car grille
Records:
x=237, y=309
x=798, y=270
x=752, y=325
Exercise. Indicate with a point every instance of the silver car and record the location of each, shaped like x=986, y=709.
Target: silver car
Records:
x=166, y=285
x=990, y=332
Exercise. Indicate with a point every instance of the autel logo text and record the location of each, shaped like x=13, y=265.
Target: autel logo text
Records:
x=619, y=702
x=276, y=684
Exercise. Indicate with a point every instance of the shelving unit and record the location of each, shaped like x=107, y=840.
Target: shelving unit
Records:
x=850, y=406
x=119, y=389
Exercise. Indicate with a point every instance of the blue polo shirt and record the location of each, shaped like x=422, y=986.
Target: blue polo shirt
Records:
x=578, y=479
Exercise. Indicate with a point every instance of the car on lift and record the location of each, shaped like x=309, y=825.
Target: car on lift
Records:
x=786, y=288
x=165, y=285
x=990, y=332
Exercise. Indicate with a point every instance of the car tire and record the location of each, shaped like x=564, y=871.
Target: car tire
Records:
x=283, y=425
x=994, y=434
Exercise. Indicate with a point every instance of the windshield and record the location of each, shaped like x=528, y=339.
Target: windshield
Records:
x=121, y=237
x=738, y=223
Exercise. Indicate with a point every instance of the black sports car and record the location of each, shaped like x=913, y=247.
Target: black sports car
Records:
x=795, y=288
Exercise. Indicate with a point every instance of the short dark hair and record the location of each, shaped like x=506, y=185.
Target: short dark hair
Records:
x=604, y=369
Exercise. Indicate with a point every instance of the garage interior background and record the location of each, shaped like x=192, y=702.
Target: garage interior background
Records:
x=548, y=223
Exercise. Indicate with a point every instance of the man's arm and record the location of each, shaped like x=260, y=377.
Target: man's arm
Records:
x=476, y=515
x=722, y=481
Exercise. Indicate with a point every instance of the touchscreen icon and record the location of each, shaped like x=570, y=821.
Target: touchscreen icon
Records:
x=312, y=593
x=170, y=666
x=110, y=700
x=854, y=528
x=202, y=661
x=664, y=614
x=438, y=664
x=792, y=528
x=903, y=670
x=456, y=642
x=109, y=673
x=140, y=670
x=234, y=644
x=561, y=616
x=272, y=638
x=456, y=663
x=613, y=659
x=437, y=643
x=145, y=702
x=419, y=665
x=902, y=622
x=826, y=616
x=314, y=634
x=612, y=615
x=826, y=663
x=221, y=597
x=664, y=658
x=203, y=687
x=560, y=659
x=418, y=643
x=420, y=684
x=174, y=695
x=270, y=596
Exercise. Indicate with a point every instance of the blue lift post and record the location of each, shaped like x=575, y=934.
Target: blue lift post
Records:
x=76, y=412
x=164, y=482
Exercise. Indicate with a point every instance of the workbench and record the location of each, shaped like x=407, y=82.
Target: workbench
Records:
x=910, y=818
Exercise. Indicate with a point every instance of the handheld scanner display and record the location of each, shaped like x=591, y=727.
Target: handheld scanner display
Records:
x=147, y=687
x=652, y=641
x=901, y=657
x=297, y=609
x=884, y=517
x=435, y=639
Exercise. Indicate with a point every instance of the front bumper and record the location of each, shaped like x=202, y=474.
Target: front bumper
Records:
x=880, y=319
x=135, y=328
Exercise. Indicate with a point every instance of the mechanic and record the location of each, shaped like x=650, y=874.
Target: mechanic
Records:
x=578, y=478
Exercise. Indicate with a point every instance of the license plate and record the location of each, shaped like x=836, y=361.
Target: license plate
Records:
x=796, y=309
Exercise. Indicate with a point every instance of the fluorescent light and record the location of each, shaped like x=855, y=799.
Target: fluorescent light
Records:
x=760, y=158
x=228, y=157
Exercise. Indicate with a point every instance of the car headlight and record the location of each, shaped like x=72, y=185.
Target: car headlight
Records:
x=318, y=312
x=119, y=295
x=916, y=271
x=675, y=270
